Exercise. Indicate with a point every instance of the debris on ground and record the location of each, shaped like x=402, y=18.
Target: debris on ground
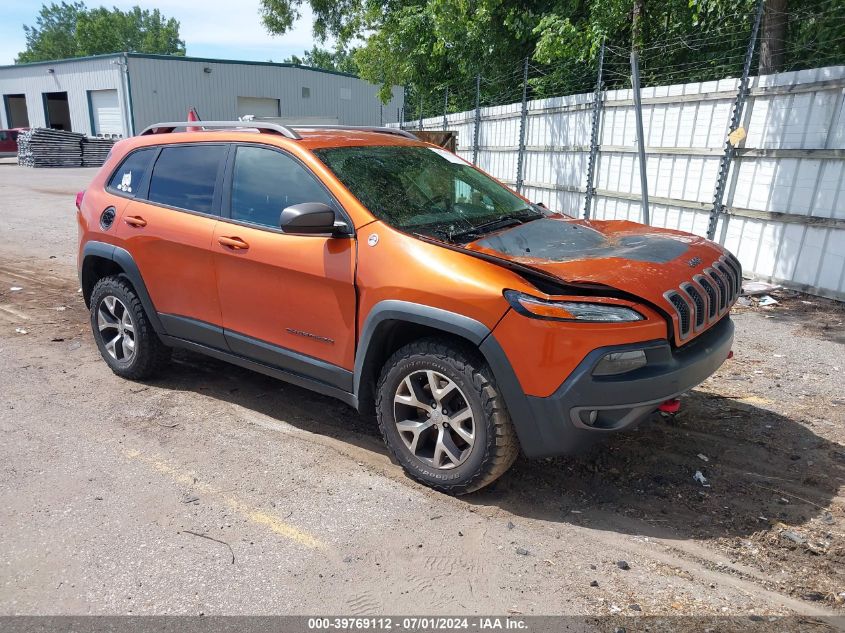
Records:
x=21, y=330
x=768, y=300
x=794, y=537
x=700, y=478
x=15, y=288
x=522, y=551
x=594, y=583
x=211, y=538
x=751, y=288
x=623, y=564
x=703, y=457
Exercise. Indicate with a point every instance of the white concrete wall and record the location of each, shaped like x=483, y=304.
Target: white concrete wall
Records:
x=786, y=189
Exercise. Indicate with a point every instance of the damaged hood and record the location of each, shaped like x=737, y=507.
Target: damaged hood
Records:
x=634, y=258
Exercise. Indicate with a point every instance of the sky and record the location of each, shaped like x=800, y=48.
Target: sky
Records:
x=224, y=29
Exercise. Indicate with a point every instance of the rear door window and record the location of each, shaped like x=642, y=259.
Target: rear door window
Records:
x=185, y=176
x=127, y=178
x=265, y=181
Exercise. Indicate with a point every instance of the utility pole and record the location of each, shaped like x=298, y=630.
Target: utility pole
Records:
x=638, y=111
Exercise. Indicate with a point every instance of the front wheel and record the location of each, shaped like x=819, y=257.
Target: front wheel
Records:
x=443, y=418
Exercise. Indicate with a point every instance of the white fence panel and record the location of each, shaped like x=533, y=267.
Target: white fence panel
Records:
x=785, y=197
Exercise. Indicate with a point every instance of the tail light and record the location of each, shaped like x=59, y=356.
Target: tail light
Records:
x=79, y=197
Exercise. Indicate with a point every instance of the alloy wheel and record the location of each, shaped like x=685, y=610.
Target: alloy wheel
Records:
x=434, y=419
x=117, y=329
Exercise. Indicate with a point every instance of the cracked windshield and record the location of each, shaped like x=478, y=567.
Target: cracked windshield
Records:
x=427, y=190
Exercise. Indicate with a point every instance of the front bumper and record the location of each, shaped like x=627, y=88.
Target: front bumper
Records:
x=561, y=423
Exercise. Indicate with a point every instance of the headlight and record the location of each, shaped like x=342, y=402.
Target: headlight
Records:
x=569, y=310
x=620, y=363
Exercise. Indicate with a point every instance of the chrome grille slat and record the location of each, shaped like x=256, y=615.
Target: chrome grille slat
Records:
x=712, y=296
x=683, y=310
x=730, y=278
x=697, y=303
x=720, y=285
x=733, y=262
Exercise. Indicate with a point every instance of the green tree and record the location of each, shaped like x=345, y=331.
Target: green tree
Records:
x=54, y=33
x=339, y=60
x=72, y=30
x=434, y=45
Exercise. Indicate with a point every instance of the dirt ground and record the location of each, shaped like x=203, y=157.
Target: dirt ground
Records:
x=215, y=490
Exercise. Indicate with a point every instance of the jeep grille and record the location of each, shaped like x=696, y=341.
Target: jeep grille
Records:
x=707, y=297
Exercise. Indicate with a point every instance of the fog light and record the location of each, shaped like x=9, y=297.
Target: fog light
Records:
x=620, y=363
x=589, y=417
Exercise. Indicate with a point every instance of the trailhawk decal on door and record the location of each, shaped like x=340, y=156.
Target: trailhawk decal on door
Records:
x=316, y=337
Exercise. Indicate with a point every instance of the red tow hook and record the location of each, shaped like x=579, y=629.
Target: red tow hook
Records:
x=670, y=406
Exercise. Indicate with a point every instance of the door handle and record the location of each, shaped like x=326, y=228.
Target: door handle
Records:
x=135, y=220
x=234, y=243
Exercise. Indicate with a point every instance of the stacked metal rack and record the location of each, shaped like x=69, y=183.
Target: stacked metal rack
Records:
x=42, y=147
x=95, y=150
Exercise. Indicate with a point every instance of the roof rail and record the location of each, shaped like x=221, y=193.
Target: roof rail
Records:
x=262, y=126
x=266, y=127
x=359, y=128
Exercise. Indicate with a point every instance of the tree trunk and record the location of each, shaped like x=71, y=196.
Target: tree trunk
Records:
x=636, y=24
x=773, y=37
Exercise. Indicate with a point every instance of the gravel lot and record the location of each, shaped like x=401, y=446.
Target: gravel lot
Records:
x=109, y=488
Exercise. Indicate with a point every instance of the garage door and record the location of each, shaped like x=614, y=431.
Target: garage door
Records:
x=258, y=106
x=105, y=112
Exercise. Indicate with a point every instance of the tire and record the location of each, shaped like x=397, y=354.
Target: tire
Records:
x=412, y=375
x=124, y=335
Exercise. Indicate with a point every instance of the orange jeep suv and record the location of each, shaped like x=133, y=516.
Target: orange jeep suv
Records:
x=393, y=275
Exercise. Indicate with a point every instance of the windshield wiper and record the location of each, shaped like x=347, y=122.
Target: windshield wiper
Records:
x=503, y=222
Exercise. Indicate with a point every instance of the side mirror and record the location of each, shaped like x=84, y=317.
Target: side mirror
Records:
x=311, y=218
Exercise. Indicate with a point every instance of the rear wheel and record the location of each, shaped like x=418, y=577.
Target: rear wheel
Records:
x=122, y=330
x=442, y=417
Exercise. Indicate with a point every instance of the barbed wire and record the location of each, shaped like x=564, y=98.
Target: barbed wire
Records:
x=716, y=52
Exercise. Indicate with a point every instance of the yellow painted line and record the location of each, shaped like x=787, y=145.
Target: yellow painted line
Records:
x=284, y=529
x=254, y=515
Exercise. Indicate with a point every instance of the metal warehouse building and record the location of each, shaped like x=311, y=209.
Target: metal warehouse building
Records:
x=125, y=92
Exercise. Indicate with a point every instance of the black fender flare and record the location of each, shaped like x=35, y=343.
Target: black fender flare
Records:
x=467, y=328
x=124, y=259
